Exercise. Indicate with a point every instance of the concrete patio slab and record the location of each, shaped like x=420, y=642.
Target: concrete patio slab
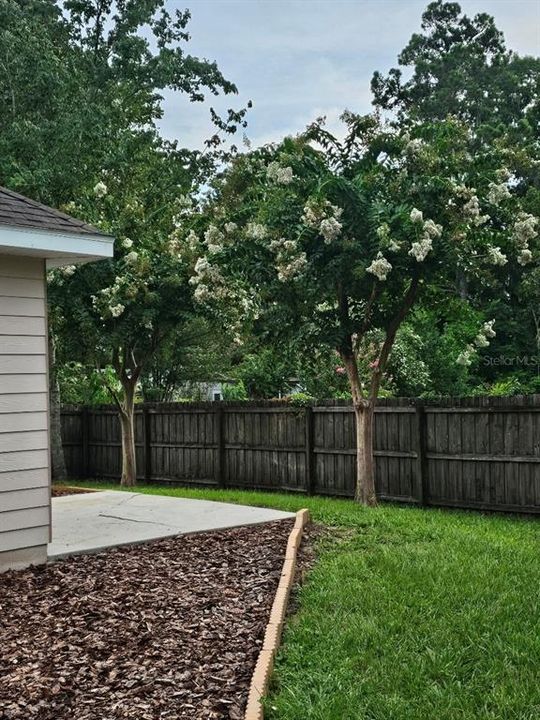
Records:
x=95, y=521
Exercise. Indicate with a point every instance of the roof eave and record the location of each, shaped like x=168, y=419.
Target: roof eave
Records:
x=56, y=247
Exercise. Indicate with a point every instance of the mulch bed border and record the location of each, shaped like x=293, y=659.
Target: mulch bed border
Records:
x=272, y=637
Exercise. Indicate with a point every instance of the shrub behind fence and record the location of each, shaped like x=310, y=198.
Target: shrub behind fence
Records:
x=480, y=453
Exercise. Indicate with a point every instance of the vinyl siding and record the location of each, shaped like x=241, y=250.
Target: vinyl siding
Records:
x=24, y=439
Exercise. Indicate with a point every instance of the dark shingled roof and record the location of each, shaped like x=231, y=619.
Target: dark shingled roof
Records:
x=19, y=211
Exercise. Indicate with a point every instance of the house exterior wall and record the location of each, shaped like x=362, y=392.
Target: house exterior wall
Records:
x=24, y=433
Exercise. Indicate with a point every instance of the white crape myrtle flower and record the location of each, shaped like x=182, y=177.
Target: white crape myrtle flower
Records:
x=213, y=235
x=192, y=240
x=481, y=341
x=525, y=257
x=503, y=174
x=201, y=293
x=471, y=209
x=311, y=216
x=524, y=230
x=117, y=310
x=417, y=216
x=174, y=246
x=208, y=281
x=201, y=266
x=485, y=335
x=316, y=211
x=465, y=357
x=256, y=231
x=290, y=260
x=276, y=245
x=380, y=267
x=280, y=175
x=463, y=192
x=290, y=246
x=230, y=228
x=100, y=189
x=127, y=243
x=487, y=329
x=383, y=231
x=330, y=229
x=498, y=193
x=432, y=229
x=496, y=256
x=394, y=246
x=68, y=270
x=336, y=211
x=247, y=304
x=132, y=257
x=292, y=267
x=420, y=249
x=213, y=239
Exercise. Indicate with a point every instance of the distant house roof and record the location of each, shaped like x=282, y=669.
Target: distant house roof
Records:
x=19, y=211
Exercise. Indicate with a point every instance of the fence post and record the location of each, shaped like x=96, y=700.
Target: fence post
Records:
x=421, y=464
x=147, y=429
x=220, y=444
x=85, y=454
x=310, y=455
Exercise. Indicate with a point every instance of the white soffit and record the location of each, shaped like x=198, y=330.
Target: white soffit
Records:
x=57, y=248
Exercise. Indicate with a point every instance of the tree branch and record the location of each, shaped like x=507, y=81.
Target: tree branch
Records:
x=393, y=327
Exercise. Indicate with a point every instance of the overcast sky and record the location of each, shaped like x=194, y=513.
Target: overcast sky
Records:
x=298, y=59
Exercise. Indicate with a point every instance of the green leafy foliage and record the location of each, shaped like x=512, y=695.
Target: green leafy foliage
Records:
x=84, y=385
x=332, y=244
x=81, y=89
x=235, y=391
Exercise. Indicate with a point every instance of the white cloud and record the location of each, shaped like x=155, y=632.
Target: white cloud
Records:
x=297, y=59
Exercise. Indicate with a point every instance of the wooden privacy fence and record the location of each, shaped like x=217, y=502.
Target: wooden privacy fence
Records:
x=481, y=453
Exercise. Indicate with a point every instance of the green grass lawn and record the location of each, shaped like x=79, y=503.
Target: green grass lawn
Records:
x=408, y=614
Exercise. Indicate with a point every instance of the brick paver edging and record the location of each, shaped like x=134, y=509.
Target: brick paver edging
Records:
x=272, y=635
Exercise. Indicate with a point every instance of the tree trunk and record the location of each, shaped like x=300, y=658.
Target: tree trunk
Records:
x=127, y=416
x=58, y=464
x=365, y=467
x=363, y=414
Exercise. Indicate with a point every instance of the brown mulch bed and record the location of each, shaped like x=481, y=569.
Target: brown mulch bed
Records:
x=60, y=490
x=169, y=629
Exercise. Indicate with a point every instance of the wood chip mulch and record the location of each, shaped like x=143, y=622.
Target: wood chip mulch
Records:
x=60, y=490
x=169, y=629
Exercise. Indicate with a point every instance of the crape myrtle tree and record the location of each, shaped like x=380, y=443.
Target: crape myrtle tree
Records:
x=88, y=141
x=333, y=242
x=118, y=313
